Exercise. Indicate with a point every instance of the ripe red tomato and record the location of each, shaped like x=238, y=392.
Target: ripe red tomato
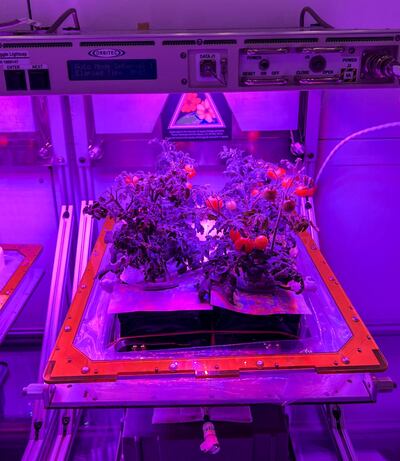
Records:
x=248, y=245
x=231, y=205
x=214, y=203
x=289, y=205
x=304, y=191
x=234, y=235
x=280, y=172
x=131, y=180
x=270, y=194
x=261, y=242
x=254, y=192
x=287, y=182
x=276, y=173
x=244, y=244
x=239, y=244
x=191, y=172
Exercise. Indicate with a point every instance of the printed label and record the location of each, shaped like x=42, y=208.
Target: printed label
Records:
x=14, y=60
x=106, y=53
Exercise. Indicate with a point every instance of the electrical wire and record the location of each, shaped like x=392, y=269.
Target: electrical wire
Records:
x=350, y=137
x=220, y=80
x=17, y=22
x=59, y=21
x=315, y=16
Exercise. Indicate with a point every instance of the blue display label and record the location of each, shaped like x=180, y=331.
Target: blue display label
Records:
x=116, y=69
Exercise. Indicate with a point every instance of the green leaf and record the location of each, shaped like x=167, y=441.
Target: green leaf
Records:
x=189, y=119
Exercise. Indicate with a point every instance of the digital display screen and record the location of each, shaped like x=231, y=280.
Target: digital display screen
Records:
x=116, y=69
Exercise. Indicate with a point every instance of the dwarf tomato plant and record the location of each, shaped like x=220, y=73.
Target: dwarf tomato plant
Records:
x=156, y=222
x=253, y=246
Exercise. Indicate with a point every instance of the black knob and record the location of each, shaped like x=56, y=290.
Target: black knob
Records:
x=317, y=63
x=263, y=64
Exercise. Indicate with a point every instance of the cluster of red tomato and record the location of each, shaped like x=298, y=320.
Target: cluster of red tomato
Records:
x=214, y=203
x=247, y=244
x=287, y=182
x=270, y=193
x=131, y=180
x=191, y=173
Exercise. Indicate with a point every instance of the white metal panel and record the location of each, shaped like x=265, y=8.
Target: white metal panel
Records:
x=344, y=112
x=13, y=9
x=16, y=114
x=357, y=212
x=133, y=113
x=271, y=111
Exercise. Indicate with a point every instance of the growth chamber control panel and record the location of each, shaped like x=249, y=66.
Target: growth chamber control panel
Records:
x=182, y=62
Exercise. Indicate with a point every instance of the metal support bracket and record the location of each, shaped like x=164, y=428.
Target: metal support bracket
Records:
x=340, y=436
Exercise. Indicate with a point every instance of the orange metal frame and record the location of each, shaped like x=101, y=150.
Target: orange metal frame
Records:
x=30, y=253
x=68, y=364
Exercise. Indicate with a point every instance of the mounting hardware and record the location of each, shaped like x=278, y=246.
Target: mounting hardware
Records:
x=210, y=444
x=37, y=425
x=46, y=151
x=95, y=150
x=260, y=364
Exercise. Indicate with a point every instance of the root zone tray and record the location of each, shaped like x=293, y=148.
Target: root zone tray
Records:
x=69, y=364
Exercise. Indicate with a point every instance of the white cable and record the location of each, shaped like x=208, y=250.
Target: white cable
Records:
x=18, y=22
x=348, y=138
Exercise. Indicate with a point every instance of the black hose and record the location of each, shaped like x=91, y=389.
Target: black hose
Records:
x=315, y=16
x=70, y=12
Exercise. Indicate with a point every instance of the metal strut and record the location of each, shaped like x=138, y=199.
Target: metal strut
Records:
x=340, y=436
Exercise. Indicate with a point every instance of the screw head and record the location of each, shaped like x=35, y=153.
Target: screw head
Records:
x=173, y=366
x=67, y=328
x=345, y=360
x=183, y=55
x=85, y=370
x=355, y=319
x=260, y=364
x=184, y=81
